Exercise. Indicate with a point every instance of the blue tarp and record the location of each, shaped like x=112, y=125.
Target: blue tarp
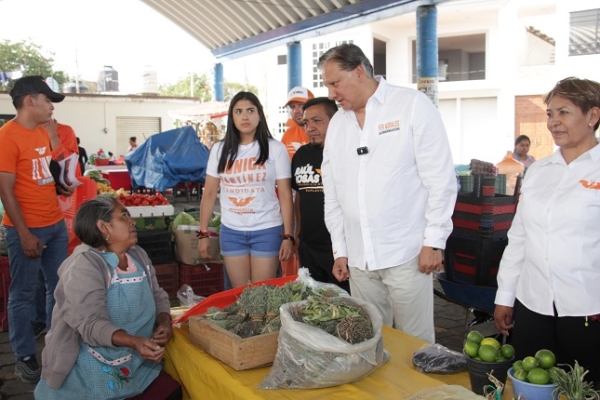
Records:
x=168, y=158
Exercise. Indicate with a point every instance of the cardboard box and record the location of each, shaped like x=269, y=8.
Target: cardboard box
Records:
x=151, y=211
x=186, y=246
x=238, y=353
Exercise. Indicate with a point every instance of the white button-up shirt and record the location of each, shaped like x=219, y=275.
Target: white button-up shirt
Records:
x=553, y=252
x=383, y=206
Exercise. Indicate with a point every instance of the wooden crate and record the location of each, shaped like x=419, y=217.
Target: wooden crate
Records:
x=238, y=353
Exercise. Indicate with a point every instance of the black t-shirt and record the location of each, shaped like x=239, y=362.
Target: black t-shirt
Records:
x=306, y=180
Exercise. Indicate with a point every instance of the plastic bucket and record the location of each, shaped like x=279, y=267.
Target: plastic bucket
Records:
x=478, y=371
x=531, y=391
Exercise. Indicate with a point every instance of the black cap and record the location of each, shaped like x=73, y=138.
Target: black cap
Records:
x=34, y=84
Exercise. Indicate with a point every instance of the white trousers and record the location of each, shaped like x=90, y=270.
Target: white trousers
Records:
x=402, y=294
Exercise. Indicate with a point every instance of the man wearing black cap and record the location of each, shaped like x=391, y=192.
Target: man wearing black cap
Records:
x=35, y=229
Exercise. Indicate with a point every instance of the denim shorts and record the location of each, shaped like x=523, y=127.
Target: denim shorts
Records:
x=264, y=243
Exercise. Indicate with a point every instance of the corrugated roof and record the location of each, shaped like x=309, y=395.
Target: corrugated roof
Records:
x=232, y=28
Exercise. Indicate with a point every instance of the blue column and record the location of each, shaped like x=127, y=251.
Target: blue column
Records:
x=294, y=63
x=427, y=52
x=219, y=83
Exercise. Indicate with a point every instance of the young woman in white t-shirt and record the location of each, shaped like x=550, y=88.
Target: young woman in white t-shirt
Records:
x=252, y=171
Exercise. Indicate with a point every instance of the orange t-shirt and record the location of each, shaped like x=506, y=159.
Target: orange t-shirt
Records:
x=27, y=154
x=294, y=137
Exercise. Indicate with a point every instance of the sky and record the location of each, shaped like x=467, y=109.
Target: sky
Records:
x=84, y=35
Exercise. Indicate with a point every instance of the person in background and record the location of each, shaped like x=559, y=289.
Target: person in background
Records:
x=390, y=190
x=68, y=145
x=256, y=221
x=312, y=237
x=132, y=144
x=36, y=233
x=83, y=157
x=522, y=144
x=294, y=137
x=550, y=270
x=111, y=320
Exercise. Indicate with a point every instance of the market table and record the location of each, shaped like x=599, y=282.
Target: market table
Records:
x=205, y=377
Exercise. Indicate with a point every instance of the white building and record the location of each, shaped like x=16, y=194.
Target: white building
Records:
x=500, y=57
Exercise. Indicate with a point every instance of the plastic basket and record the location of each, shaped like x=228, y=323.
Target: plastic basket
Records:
x=204, y=279
x=468, y=261
x=168, y=278
x=157, y=244
x=4, y=284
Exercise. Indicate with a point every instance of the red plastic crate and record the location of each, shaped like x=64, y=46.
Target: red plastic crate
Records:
x=4, y=284
x=168, y=278
x=204, y=279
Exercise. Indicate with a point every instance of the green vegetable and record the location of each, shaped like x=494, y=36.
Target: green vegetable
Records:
x=184, y=218
x=572, y=383
x=94, y=174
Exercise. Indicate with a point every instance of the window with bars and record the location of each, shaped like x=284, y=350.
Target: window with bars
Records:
x=584, y=35
x=317, y=51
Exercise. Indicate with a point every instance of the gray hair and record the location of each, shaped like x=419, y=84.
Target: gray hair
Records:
x=348, y=56
x=90, y=212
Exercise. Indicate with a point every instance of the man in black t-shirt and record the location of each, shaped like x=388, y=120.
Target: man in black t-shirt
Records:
x=314, y=248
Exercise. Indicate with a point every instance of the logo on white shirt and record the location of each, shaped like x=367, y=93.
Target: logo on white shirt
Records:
x=388, y=127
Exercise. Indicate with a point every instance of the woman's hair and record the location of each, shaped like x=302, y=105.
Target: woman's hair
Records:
x=584, y=93
x=348, y=57
x=232, y=135
x=520, y=139
x=90, y=212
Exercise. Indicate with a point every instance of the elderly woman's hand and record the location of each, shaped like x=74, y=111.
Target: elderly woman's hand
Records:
x=164, y=331
x=149, y=349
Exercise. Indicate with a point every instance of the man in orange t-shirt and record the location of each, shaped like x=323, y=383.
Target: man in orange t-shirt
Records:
x=36, y=234
x=294, y=138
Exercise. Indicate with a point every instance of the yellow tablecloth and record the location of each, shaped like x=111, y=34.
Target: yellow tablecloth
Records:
x=205, y=377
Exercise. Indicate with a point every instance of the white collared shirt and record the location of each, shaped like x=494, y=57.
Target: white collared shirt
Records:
x=383, y=206
x=553, y=252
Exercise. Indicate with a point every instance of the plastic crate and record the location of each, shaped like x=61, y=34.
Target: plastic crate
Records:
x=157, y=244
x=473, y=261
x=204, y=279
x=4, y=284
x=168, y=278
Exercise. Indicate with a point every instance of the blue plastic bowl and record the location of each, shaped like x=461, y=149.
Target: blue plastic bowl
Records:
x=531, y=391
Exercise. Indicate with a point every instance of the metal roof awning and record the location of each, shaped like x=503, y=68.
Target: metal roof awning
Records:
x=235, y=28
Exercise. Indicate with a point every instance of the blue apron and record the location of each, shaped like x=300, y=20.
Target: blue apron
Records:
x=103, y=372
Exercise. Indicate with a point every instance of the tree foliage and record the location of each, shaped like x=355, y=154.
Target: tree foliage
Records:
x=202, y=88
x=28, y=58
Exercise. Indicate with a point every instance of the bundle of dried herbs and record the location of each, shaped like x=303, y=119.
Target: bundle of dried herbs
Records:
x=338, y=316
x=256, y=311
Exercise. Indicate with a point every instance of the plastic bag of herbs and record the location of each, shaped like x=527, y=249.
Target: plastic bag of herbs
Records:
x=309, y=357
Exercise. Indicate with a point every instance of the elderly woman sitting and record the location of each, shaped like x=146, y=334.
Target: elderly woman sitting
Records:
x=111, y=319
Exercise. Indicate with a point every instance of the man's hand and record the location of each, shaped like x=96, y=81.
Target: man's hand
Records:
x=51, y=128
x=31, y=245
x=430, y=260
x=340, y=269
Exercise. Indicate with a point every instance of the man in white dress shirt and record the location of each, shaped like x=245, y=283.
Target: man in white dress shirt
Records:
x=390, y=190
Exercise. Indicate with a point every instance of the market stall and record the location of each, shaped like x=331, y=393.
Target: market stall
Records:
x=203, y=376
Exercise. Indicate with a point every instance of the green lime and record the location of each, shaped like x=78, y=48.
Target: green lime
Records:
x=471, y=349
x=475, y=337
x=507, y=351
x=520, y=374
x=546, y=358
x=539, y=376
x=487, y=353
x=530, y=363
x=477, y=358
x=499, y=357
x=492, y=342
x=517, y=365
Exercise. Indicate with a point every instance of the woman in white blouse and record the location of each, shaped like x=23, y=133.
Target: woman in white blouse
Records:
x=550, y=271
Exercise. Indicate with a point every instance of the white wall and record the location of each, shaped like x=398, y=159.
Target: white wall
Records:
x=89, y=115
